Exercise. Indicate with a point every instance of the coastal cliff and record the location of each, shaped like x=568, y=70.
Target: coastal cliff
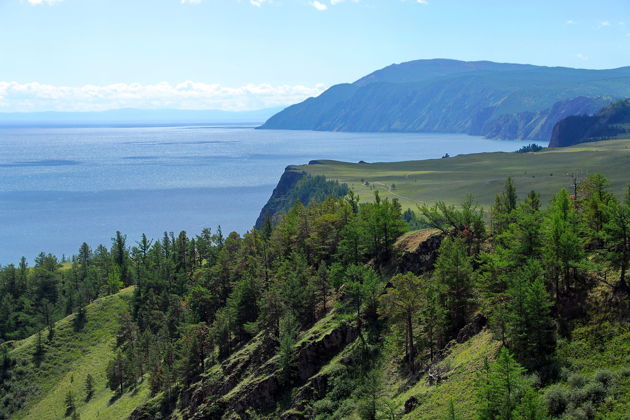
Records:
x=611, y=122
x=296, y=185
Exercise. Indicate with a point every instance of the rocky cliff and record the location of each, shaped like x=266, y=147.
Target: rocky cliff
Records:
x=612, y=121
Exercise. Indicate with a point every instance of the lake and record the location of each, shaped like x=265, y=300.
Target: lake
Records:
x=60, y=187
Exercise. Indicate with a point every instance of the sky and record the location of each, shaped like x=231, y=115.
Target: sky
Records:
x=90, y=55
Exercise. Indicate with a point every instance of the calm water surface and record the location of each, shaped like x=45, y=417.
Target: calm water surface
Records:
x=60, y=187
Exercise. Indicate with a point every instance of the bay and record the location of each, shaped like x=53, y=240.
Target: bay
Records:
x=60, y=187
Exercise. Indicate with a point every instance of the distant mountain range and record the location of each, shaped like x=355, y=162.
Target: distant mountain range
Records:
x=132, y=117
x=611, y=122
x=497, y=100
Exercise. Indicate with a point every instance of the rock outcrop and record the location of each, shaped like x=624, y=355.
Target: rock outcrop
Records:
x=417, y=251
x=610, y=122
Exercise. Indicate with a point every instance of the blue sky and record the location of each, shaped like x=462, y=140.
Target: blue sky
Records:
x=247, y=54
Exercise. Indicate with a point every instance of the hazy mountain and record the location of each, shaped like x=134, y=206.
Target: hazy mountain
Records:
x=498, y=100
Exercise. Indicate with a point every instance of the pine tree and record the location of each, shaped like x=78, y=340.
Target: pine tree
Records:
x=69, y=403
x=501, y=388
x=531, y=332
x=452, y=273
x=402, y=303
x=504, y=205
x=89, y=387
x=563, y=251
x=617, y=238
x=288, y=337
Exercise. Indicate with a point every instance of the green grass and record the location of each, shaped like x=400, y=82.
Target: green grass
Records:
x=69, y=358
x=481, y=174
x=462, y=366
x=603, y=345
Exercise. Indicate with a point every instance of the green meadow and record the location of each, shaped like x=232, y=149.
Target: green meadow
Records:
x=481, y=174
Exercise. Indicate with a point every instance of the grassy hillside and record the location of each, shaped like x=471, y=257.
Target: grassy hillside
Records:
x=69, y=357
x=481, y=174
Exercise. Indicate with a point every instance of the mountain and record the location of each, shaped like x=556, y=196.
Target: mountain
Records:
x=612, y=121
x=497, y=100
x=130, y=116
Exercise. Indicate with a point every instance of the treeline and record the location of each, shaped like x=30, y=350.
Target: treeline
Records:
x=34, y=298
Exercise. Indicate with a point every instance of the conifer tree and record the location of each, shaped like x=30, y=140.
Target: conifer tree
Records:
x=617, y=237
x=69, y=403
x=89, y=387
x=452, y=273
x=402, y=303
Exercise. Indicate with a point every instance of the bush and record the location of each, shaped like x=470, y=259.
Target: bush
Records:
x=577, y=380
x=530, y=148
x=556, y=399
x=324, y=406
x=595, y=392
x=624, y=372
x=604, y=377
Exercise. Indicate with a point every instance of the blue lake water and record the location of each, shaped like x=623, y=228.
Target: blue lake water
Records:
x=60, y=187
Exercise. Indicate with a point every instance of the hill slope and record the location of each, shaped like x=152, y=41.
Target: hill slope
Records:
x=612, y=121
x=483, y=98
x=68, y=358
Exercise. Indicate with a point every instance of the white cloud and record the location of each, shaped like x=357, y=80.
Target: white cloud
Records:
x=570, y=22
x=48, y=2
x=422, y=1
x=319, y=6
x=603, y=24
x=335, y=2
x=582, y=56
x=259, y=3
x=34, y=96
x=190, y=1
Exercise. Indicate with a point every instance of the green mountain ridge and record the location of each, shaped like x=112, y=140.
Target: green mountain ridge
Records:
x=610, y=122
x=507, y=101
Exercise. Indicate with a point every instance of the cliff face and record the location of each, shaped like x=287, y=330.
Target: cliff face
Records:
x=610, y=122
x=296, y=185
x=506, y=101
x=278, y=199
x=539, y=125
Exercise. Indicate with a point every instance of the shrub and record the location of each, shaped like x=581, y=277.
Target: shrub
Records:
x=577, y=380
x=624, y=372
x=604, y=377
x=595, y=392
x=556, y=399
x=324, y=406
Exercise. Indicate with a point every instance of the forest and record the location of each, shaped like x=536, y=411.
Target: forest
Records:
x=532, y=273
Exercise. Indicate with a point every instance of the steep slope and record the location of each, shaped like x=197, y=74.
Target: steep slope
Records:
x=482, y=98
x=40, y=388
x=612, y=121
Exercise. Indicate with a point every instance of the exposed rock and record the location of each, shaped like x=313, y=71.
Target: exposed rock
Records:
x=471, y=329
x=411, y=404
x=609, y=122
x=250, y=378
x=418, y=251
x=287, y=181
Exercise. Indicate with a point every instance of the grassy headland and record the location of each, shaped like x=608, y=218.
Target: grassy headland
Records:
x=480, y=174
